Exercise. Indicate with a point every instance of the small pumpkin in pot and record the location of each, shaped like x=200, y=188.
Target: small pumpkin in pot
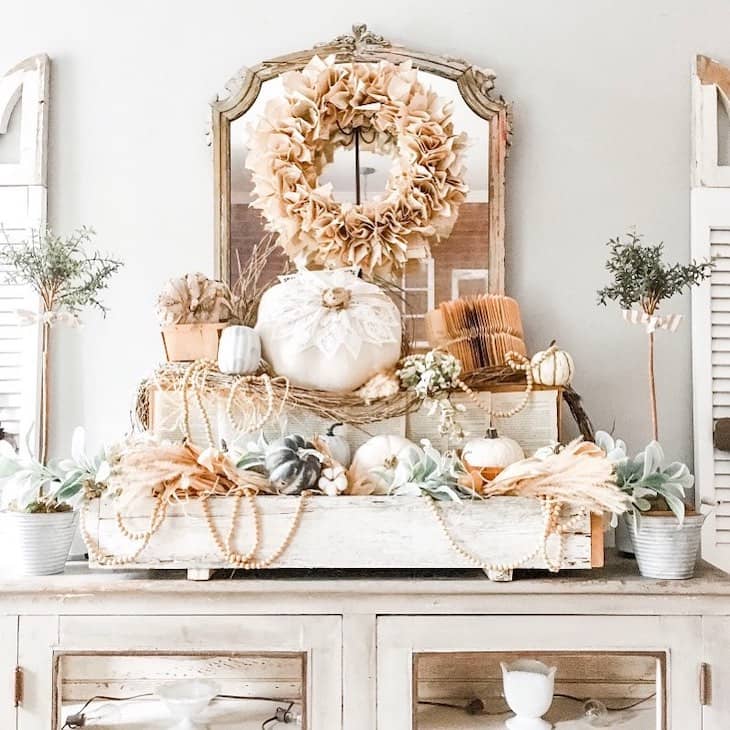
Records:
x=293, y=464
x=552, y=367
x=489, y=455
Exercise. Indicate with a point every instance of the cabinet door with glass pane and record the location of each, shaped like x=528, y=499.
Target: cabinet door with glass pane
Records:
x=147, y=672
x=574, y=672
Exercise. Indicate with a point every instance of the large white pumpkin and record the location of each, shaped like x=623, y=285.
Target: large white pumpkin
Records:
x=328, y=330
x=379, y=452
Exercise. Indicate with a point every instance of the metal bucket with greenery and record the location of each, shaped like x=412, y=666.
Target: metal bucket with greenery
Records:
x=664, y=534
x=37, y=516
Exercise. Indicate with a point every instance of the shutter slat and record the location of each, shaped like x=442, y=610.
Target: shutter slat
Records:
x=721, y=398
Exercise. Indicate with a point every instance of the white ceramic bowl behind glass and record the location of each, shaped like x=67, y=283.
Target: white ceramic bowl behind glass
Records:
x=187, y=699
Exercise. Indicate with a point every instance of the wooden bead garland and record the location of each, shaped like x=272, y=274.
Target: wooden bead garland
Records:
x=246, y=561
x=551, y=509
x=517, y=362
x=159, y=513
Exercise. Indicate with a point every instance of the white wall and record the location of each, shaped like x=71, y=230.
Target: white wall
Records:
x=602, y=110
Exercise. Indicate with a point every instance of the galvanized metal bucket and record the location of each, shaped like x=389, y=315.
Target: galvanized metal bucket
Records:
x=35, y=544
x=662, y=548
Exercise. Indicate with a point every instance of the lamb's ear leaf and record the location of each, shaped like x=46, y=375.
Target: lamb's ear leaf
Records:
x=653, y=458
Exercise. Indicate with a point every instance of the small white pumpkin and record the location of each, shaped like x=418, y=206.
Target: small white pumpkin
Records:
x=239, y=351
x=493, y=452
x=328, y=330
x=552, y=367
x=379, y=452
x=338, y=446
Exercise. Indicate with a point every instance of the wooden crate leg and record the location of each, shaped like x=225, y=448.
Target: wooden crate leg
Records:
x=499, y=576
x=199, y=573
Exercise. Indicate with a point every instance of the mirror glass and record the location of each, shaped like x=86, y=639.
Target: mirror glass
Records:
x=458, y=266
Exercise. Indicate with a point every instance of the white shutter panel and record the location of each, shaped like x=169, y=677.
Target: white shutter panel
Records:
x=711, y=367
x=23, y=119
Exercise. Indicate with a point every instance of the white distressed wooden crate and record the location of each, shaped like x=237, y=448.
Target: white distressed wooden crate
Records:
x=354, y=533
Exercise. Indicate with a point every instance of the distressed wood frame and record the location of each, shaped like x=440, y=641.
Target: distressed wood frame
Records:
x=475, y=84
x=28, y=83
x=710, y=90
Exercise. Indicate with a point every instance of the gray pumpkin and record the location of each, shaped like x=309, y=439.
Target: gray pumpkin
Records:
x=291, y=469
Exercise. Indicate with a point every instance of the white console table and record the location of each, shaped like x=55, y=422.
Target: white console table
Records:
x=366, y=651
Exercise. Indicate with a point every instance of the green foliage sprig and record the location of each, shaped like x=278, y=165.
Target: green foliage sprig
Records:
x=65, y=276
x=640, y=276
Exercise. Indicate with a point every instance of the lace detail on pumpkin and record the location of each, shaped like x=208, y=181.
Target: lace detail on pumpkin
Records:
x=303, y=316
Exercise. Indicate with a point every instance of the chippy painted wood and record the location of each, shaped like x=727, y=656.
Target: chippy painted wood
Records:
x=475, y=84
x=358, y=671
x=716, y=650
x=615, y=590
x=674, y=638
x=318, y=638
x=82, y=676
x=24, y=95
x=710, y=222
x=27, y=84
x=37, y=638
x=8, y=661
x=351, y=532
x=710, y=93
x=222, y=714
x=464, y=675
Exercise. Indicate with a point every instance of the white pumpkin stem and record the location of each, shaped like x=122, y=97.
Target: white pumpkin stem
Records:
x=336, y=298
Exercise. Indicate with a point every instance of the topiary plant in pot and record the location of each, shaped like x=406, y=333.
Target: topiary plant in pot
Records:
x=664, y=530
x=37, y=501
x=37, y=521
x=642, y=279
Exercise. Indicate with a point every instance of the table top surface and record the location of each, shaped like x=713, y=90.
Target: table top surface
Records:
x=619, y=576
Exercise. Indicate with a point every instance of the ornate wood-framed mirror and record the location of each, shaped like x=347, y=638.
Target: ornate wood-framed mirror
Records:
x=473, y=261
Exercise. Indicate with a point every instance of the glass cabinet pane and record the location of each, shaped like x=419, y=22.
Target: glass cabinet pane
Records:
x=249, y=689
x=466, y=690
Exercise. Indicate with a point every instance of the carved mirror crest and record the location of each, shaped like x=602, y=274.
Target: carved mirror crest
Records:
x=470, y=260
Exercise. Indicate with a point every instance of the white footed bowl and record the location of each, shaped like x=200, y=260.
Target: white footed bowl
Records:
x=186, y=699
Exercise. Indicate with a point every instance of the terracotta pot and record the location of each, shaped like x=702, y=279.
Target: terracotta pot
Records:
x=35, y=544
x=664, y=549
x=188, y=342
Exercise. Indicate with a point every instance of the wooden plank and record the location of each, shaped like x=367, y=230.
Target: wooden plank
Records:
x=85, y=675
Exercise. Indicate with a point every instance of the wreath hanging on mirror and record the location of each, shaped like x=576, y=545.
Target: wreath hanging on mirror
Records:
x=396, y=115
